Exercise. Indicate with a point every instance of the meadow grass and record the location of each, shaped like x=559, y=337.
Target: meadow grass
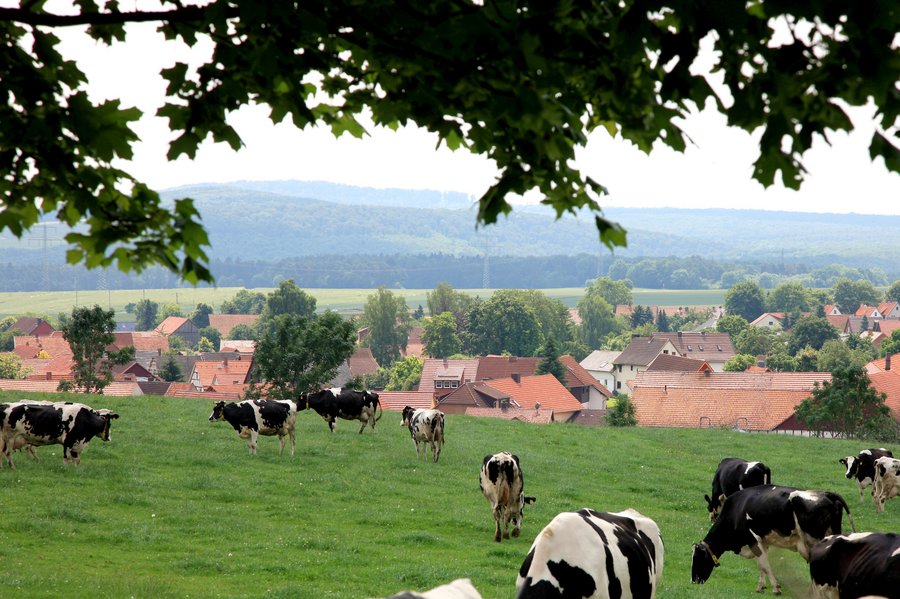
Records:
x=345, y=301
x=174, y=506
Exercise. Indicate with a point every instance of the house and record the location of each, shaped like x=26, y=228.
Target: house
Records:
x=773, y=321
x=536, y=416
x=132, y=372
x=187, y=390
x=841, y=322
x=55, y=369
x=889, y=310
x=672, y=363
x=50, y=346
x=870, y=312
x=502, y=367
x=583, y=386
x=528, y=392
x=415, y=346
x=244, y=346
x=885, y=378
x=180, y=327
x=751, y=401
x=715, y=348
x=220, y=372
x=35, y=327
x=873, y=337
x=886, y=326
x=636, y=357
x=441, y=376
x=225, y=322
x=599, y=364
x=831, y=310
x=360, y=363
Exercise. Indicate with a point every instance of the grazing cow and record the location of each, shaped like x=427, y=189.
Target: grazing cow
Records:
x=348, y=404
x=887, y=481
x=253, y=417
x=734, y=474
x=425, y=426
x=591, y=554
x=862, y=466
x=461, y=588
x=756, y=518
x=503, y=485
x=71, y=425
x=856, y=565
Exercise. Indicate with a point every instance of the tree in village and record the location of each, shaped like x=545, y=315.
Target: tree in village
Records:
x=387, y=316
x=550, y=363
x=505, y=323
x=145, y=315
x=641, y=315
x=836, y=354
x=849, y=295
x=622, y=411
x=444, y=298
x=597, y=320
x=789, y=298
x=848, y=406
x=170, y=309
x=11, y=366
x=439, y=335
x=244, y=302
x=893, y=292
x=891, y=345
x=244, y=332
x=810, y=331
x=89, y=332
x=552, y=315
x=288, y=299
x=521, y=82
x=614, y=292
x=300, y=353
x=212, y=335
x=205, y=346
x=739, y=363
x=731, y=324
x=200, y=315
x=745, y=299
x=753, y=341
x=170, y=370
x=662, y=321
x=405, y=374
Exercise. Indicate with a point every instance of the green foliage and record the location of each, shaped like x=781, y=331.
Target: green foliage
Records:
x=622, y=413
x=11, y=367
x=891, y=345
x=405, y=374
x=739, y=363
x=641, y=315
x=789, y=297
x=781, y=361
x=836, y=354
x=171, y=371
x=376, y=380
x=200, y=315
x=171, y=309
x=550, y=363
x=578, y=350
x=893, y=292
x=387, y=317
x=205, y=346
x=89, y=332
x=662, y=322
x=732, y=324
x=810, y=331
x=597, y=320
x=288, y=299
x=178, y=344
x=212, y=336
x=848, y=295
x=613, y=292
x=505, y=323
x=746, y=300
x=145, y=312
x=439, y=335
x=244, y=332
x=244, y=302
x=846, y=405
x=754, y=341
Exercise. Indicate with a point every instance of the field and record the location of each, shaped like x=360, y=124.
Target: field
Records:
x=174, y=506
x=346, y=301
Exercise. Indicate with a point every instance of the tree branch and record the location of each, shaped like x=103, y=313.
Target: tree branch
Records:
x=183, y=14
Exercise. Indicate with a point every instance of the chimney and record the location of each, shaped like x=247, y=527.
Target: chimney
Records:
x=517, y=378
x=225, y=363
x=887, y=362
x=445, y=362
x=707, y=372
x=679, y=334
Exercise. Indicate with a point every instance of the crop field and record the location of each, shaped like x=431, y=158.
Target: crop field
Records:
x=174, y=506
x=345, y=301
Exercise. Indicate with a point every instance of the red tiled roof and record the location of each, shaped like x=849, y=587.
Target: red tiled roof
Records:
x=838, y=321
x=433, y=367
x=397, y=400
x=28, y=386
x=888, y=382
x=414, y=345
x=543, y=389
x=712, y=347
x=867, y=311
x=888, y=326
x=641, y=351
x=225, y=322
x=244, y=346
x=749, y=400
x=362, y=362
x=678, y=364
x=533, y=416
x=476, y=394
x=171, y=324
x=501, y=367
x=886, y=308
x=577, y=376
x=222, y=372
x=575, y=315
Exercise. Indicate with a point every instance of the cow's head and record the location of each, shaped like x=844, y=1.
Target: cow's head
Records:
x=407, y=416
x=851, y=464
x=702, y=563
x=218, y=412
x=370, y=395
x=303, y=402
x=714, y=506
x=108, y=416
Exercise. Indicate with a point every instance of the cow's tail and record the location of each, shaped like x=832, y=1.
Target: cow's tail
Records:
x=847, y=509
x=378, y=410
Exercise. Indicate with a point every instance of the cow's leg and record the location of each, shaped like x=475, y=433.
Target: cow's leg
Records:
x=498, y=515
x=292, y=433
x=331, y=420
x=251, y=442
x=362, y=425
x=861, y=491
x=765, y=569
x=281, y=441
x=30, y=449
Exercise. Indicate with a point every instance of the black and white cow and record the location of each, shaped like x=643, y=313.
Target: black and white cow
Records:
x=756, y=518
x=461, y=588
x=887, y=481
x=253, y=417
x=862, y=466
x=503, y=485
x=71, y=425
x=598, y=555
x=425, y=426
x=348, y=404
x=734, y=474
x=856, y=565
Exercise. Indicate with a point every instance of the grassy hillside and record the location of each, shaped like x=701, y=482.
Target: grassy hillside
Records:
x=346, y=301
x=173, y=506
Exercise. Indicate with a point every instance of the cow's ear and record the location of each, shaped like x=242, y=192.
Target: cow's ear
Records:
x=843, y=461
x=708, y=500
x=530, y=500
x=486, y=459
x=722, y=498
x=113, y=415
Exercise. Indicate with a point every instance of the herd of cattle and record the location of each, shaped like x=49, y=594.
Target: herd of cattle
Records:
x=578, y=554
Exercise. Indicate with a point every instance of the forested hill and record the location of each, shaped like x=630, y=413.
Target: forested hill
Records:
x=280, y=219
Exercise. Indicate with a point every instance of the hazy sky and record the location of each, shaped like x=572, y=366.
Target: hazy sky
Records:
x=713, y=173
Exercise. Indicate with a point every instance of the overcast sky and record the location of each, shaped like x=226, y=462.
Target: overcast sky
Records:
x=713, y=173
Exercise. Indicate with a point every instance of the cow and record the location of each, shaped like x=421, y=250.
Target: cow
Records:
x=425, y=426
x=887, y=481
x=756, y=518
x=461, y=588
x=862, y=466
x=71, y=425
x=856, y=565
x=598, y=555
x=348, y=404
x=734, y=474
x=503, y=485
x=253, y=417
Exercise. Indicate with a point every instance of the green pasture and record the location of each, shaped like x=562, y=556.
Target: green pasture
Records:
x=174, y=506
x=346, y=301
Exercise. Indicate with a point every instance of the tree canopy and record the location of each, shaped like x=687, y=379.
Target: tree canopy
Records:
x=522, y=83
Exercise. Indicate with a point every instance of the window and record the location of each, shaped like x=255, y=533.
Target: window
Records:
x=439, y=384
x=619, y=385
x=690, y=348
x=700, y=347
x=454, y=384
